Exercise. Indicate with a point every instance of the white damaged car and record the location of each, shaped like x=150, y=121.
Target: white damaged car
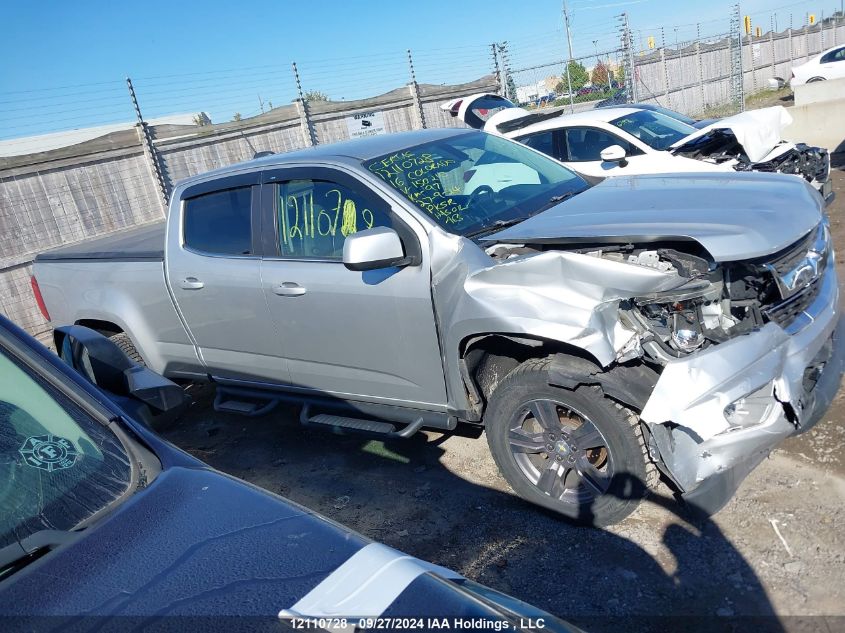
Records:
x=629, y=140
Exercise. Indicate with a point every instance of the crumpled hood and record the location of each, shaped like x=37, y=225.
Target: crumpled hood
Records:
x=733, y=216
x=758, y=131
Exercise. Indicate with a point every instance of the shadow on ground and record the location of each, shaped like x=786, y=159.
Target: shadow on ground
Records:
x=401, y=493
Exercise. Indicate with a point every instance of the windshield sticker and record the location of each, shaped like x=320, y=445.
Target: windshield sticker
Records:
x=48, y=452
x=418, y=177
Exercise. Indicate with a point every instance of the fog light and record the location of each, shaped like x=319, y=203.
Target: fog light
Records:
x=750, y=410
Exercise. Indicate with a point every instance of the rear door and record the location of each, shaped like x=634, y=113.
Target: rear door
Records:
x=366, y=334
x=214, y=272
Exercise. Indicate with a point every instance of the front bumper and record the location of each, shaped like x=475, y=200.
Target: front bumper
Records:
x=685, y=412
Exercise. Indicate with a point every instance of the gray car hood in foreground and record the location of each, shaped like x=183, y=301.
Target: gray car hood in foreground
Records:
x=735, y=216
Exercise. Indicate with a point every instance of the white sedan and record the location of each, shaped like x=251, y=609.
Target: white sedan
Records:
x=829, y=64
x=628, y=140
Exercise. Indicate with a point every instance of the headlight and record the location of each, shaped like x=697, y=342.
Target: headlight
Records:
x=752, y=409
x=686, y=331
x=675, y=317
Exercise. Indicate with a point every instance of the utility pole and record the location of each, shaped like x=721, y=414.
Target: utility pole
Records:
x=569, y=63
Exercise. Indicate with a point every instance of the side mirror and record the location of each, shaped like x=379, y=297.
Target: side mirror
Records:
x=140, y=391
x=614, y=154
x=375, y=248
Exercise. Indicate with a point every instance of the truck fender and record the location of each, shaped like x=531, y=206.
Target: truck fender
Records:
x=631, y=384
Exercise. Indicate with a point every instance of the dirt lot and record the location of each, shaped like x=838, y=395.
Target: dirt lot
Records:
x=440, y=498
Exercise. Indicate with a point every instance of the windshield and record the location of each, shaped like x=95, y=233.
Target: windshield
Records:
x=474, y=181
x=58, y=466
x=654, y=128
x=683, y=118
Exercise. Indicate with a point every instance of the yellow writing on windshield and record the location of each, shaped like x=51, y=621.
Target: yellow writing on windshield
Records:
x=418, y=176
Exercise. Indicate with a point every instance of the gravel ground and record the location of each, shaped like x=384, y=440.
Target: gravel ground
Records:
x=777, y=549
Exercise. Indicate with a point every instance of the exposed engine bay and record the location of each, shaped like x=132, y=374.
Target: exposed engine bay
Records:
x=711, y=302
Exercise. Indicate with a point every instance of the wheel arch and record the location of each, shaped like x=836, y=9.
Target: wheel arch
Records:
x=486, y=359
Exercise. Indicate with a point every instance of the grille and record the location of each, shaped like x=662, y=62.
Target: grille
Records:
x=787, y=259
x=787, y=311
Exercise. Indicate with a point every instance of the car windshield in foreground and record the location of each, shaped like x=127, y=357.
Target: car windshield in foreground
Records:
x=58, y=466
x=654, y=128
x=476, y=181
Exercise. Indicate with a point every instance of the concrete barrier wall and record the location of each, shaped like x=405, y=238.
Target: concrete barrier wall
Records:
x=106, y=185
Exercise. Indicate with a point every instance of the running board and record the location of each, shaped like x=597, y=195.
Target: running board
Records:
x=355, y=426
x=227, y=402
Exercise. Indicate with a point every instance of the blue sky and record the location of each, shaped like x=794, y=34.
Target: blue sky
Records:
x=65, y=62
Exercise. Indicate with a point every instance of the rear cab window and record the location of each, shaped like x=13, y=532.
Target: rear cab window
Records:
x=219, y=223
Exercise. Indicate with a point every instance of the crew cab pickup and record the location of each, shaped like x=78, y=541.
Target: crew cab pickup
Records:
x=675, y=325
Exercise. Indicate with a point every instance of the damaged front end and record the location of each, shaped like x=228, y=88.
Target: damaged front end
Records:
x=751, y=361
x=720, y=146
x=753, y=141
x=745, y=353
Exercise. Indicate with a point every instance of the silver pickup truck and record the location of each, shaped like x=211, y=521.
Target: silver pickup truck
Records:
x=674, y=326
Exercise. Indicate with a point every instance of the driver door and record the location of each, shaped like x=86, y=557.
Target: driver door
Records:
x=580, y=149
x=368, y=335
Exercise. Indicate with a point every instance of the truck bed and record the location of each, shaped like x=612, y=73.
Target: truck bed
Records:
x=144, y=243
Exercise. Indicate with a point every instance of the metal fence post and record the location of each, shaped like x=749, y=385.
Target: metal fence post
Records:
x=414, y=87
x=806, y=40
x=510, y=88
x=629, y=63
x=737, y=87
x=791, y=53
x=496, y=71
x=751, y=61
x=150, y=152
x=665, y=68
x=699, y=65
x=304, y=111
x=772, y=45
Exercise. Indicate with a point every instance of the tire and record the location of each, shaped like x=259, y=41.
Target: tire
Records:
x=813, y=79
x=599, y=484
x=125, y=344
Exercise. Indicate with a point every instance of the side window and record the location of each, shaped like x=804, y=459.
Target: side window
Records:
x=586, y=144
x=220, y=223
x=541, y=141
x=834, y=56
x=315, y=216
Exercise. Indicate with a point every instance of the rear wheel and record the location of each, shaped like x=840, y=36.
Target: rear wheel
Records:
x=126, y=345
x=812, y=79
x=573, y=451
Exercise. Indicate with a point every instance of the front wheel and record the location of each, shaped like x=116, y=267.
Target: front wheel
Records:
x=573, y=451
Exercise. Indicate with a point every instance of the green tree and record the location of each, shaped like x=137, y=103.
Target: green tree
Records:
x=578, y=75
x=619, y=75
x=237, y=116
x=600, y=76
x=316, y=95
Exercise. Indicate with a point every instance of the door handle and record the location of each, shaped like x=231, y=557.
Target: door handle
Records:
x=289, y=289
x=191, y=283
